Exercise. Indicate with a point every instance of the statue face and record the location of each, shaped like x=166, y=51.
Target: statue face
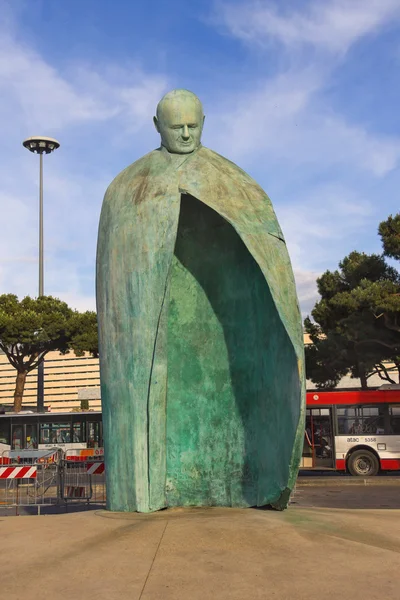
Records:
x=180, y=121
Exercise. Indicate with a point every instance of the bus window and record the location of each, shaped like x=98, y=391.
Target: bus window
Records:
x=31, y=437
x=55, y=433
x=348, y=419
x=373, y=420
x=60, y=433
x=94, y=437
x=44, y=433
x=361, y=420
x=4, y=433
x=17, y=437
x=78, y=432
x=394, y=414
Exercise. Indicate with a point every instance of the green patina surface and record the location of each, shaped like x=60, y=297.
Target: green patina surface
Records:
x=227, y=351
x=201, y=348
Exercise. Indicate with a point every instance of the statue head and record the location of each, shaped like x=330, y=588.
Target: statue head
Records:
x=179, y=121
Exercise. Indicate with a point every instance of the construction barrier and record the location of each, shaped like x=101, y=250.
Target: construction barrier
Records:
x=34, y=486
x=85, y=454
x=96, y=468
x=82, y=481
x=28, y=457
x=50, y=480
x=4, y=458
x=18, y=472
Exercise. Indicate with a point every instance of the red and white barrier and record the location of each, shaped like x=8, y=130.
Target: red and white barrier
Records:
x=73, y=491
x=84, y=454
x=18, y=472
x=95, y=468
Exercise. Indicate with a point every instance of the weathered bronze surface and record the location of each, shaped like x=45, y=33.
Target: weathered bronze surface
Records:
x=201, y=346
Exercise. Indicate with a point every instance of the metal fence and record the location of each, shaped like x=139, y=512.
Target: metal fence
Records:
x=83, y=481
x=33, y=484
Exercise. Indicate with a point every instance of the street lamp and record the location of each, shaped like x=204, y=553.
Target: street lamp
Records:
x=41, y=145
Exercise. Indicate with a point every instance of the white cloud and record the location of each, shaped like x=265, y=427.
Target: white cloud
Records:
x=284, y=114
x=80, y=104
x=306, y=284
x=318, y=223
x=47, y=98
x=287, y=116
x=329, y=25
x=283, y=118
x=319, y=167
x=280, y=127
x=318, y=219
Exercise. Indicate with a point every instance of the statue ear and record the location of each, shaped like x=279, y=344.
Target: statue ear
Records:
x=155, y=121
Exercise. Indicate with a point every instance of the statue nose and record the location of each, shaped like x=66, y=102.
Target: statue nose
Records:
x=185, y=132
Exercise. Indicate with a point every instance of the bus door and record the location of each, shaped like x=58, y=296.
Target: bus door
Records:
x=17, y=437
x=24, y=436
x=318, y=442
x=94, y=434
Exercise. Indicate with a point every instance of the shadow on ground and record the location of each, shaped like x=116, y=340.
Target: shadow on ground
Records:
x=61, y=509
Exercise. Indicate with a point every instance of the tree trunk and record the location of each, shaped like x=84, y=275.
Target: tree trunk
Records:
x=19, y=390
x=363, y=379
x=397, y=365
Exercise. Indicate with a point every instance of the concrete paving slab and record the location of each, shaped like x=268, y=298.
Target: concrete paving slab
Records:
x=186, y=554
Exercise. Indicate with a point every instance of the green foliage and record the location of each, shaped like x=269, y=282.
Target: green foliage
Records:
x=326, y=359
x=356, y=323
x=83, y=333
x=85, y=405
x=389, y=231
x=32, y=327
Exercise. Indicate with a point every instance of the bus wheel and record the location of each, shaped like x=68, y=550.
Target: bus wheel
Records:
x=363, y=463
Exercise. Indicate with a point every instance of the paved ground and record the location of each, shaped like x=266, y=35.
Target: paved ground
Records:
x=337, y=537
x=199, y=554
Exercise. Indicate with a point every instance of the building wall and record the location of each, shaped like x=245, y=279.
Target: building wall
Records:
x=65, y=377
x=70, y=379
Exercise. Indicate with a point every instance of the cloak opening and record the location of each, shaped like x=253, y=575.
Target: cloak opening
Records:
x=233, y=384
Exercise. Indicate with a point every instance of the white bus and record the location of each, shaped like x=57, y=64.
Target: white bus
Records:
x=77, y=435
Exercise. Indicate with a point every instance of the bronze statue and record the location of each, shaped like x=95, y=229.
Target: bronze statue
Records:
x=201, y=345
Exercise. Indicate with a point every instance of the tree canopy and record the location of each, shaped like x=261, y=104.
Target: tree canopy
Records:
x=389, y=231
x=355, y=326
x=32, y=327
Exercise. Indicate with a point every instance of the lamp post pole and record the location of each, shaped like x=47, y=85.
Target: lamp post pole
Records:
x=41, y=258
x=41, y=145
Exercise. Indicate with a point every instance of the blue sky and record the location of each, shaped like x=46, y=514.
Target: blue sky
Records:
x=303, y=94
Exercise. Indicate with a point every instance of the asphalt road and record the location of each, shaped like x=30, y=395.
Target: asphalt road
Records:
x=341, y=494
x=312, y=490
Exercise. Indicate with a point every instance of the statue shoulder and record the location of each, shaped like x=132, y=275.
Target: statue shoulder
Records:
x=140, y=168
x=237, y=184
x=227, y=166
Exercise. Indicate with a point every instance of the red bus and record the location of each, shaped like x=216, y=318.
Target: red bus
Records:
x=355, y=431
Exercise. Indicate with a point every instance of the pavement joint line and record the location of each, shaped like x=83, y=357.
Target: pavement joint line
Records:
x=153, y=561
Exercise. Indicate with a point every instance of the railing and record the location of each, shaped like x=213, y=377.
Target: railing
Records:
x=82, y=482
x=49, y=481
